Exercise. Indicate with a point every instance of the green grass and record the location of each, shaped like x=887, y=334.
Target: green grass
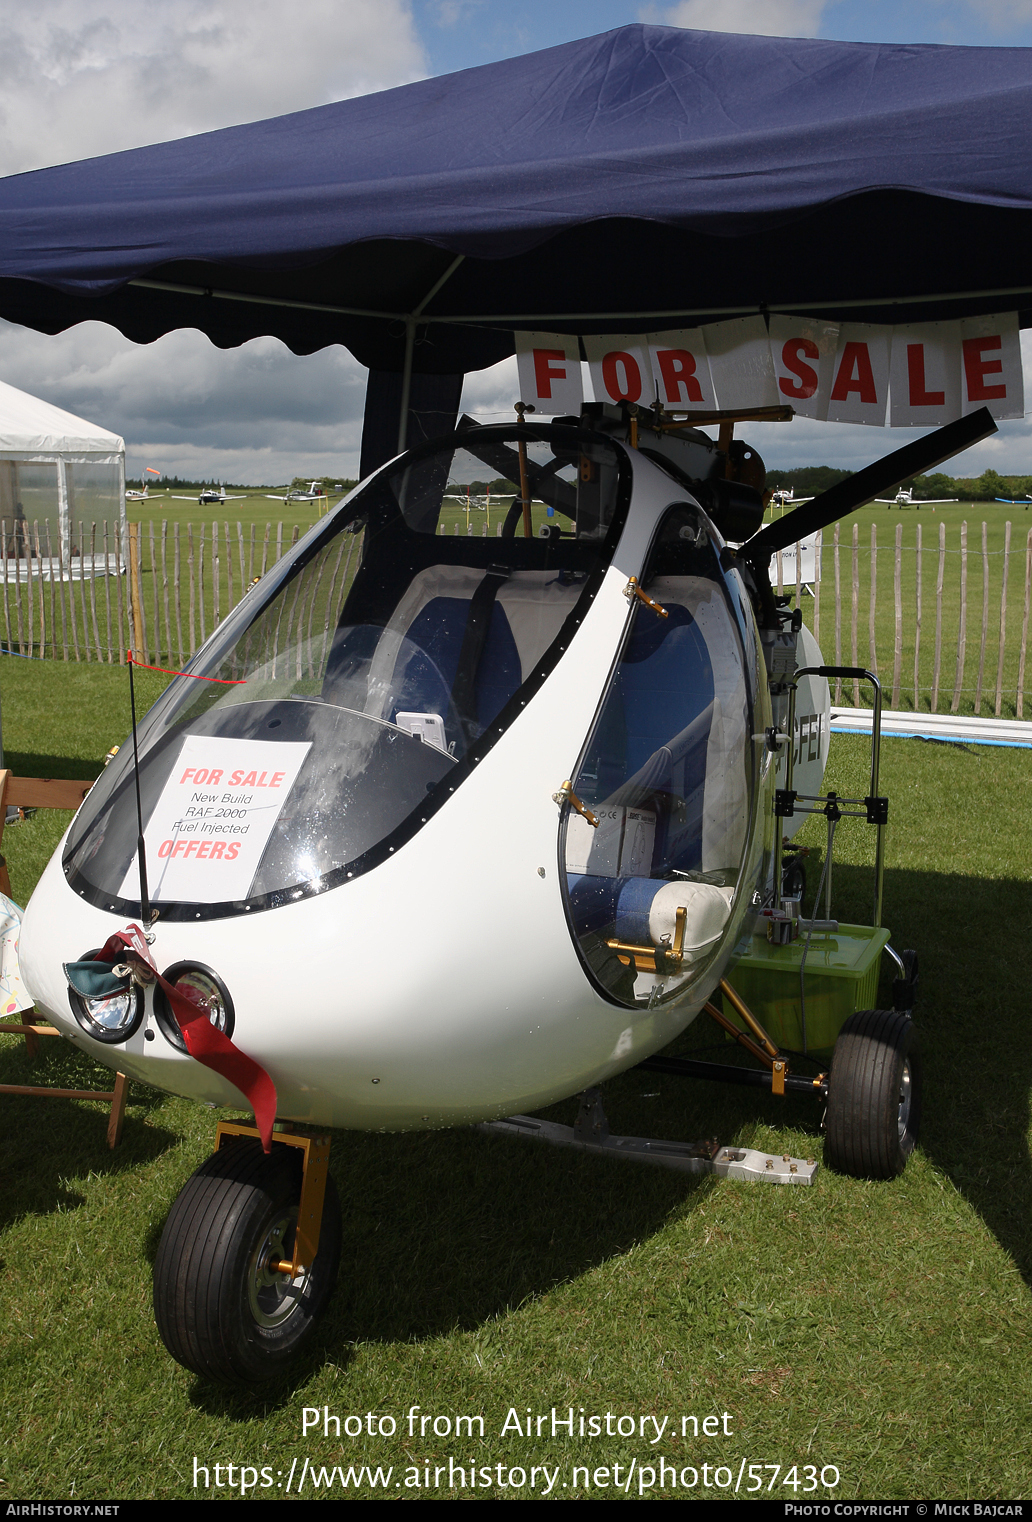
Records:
x=881, y=1328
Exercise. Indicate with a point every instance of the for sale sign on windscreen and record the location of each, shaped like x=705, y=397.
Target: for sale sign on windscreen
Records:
x=212, y=822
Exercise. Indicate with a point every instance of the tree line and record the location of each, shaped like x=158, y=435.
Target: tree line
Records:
x=810, y=480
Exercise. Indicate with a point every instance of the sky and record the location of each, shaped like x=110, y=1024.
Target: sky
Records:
x=84, y=77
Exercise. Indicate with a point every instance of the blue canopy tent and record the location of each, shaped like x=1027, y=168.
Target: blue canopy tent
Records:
x=647, y=177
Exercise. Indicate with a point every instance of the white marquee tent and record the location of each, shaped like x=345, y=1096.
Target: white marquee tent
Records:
x=59, y=476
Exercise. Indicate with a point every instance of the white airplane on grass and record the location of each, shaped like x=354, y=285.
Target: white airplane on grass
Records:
x=905, y=498
x=132, y=495
x=210, y=495
x=316, y=492
x=783, y=495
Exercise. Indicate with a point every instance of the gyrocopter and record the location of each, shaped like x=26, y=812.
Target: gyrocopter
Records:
x=439, y=829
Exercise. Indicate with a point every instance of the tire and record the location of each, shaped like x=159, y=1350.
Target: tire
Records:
x=793, y=879
x=874, y=1095
x=219, y=1311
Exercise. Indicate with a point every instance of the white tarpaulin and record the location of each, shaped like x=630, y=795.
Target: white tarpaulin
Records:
x=925, y=374
x=59, y=470
x=33, y=429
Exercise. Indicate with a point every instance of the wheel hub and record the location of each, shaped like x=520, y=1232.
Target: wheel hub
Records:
x=272, y=1296
x=905, y=1094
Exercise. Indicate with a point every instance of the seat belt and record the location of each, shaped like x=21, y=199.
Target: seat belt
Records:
x=478, y=623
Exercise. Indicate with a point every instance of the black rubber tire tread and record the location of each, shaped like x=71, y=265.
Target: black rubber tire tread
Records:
x=200, y=1291
x=862, y=1123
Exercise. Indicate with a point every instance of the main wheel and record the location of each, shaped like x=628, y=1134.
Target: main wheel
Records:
x=220, y=1308
x=874, y=1095
x=793, y=879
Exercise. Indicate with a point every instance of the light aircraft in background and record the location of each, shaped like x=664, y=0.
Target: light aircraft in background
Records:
x=316, y=492
x=1024, y=502
x=905, y=498
x=132, y=495
x=210, y=495
x=783, y=495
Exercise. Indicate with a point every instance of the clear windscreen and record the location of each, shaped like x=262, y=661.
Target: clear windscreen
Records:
x=337, y=706
x=669, y=775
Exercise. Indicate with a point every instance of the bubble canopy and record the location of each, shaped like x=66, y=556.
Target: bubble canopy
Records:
x=350, y=693
x=671, y=772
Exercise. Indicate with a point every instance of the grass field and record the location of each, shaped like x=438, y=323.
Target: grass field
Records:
x=885, y=523
x=883, y=1329
x=188, y=552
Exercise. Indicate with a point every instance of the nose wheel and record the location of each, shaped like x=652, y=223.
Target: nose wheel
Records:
x=231, y=1300
x=874, y=1095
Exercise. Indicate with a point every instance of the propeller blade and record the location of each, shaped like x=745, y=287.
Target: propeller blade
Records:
x=842, y=498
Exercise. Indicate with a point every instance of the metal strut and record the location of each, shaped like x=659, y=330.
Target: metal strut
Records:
x=315, y=1152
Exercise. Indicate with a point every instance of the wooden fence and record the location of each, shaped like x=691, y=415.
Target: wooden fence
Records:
x=162, y=598
x=944, y=624
x=935, y=604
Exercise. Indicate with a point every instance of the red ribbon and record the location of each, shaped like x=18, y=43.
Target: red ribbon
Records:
x=225, y=681
x=204, y=1041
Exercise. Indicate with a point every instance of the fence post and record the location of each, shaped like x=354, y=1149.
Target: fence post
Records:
x=1003, y=618
x=855, y=611
x=17, y=589
x=962, y=633
x=1020, y=703
x=42, y=598
x=985, y=622
x=838, y=616
x=193, y=588
x=93, y=590
x=175, y=589
x=82, y=591
x=164, y=590
x=107, y=594
x=818, y=552
x=7, y=584
x=938, y=616
x=917, y=625
x=135, y=592
x=118, y=596
x=897, y=591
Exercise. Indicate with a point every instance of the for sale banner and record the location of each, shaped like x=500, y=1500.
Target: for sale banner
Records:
x=921, y=374
x=212, y=822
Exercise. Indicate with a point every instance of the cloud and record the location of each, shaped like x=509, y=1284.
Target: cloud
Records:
x=83, y=77
x=1003, y=15
x=257, y=414
x=767, y=18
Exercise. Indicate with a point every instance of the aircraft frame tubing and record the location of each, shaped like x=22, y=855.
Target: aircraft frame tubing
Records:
x=725, y=1072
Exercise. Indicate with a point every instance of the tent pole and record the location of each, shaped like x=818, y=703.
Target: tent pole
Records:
x=406, y=383
x=410, y=343
x=63, y=518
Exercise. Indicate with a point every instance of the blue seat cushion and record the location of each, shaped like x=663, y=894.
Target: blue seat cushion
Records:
x=618, y=905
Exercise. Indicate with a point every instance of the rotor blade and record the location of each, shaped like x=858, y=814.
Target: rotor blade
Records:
x=842, y=498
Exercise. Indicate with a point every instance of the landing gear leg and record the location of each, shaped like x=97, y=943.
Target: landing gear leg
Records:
x=245, y=1266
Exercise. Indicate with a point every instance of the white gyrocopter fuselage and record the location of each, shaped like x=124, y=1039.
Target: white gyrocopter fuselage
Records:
x=433, y=785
